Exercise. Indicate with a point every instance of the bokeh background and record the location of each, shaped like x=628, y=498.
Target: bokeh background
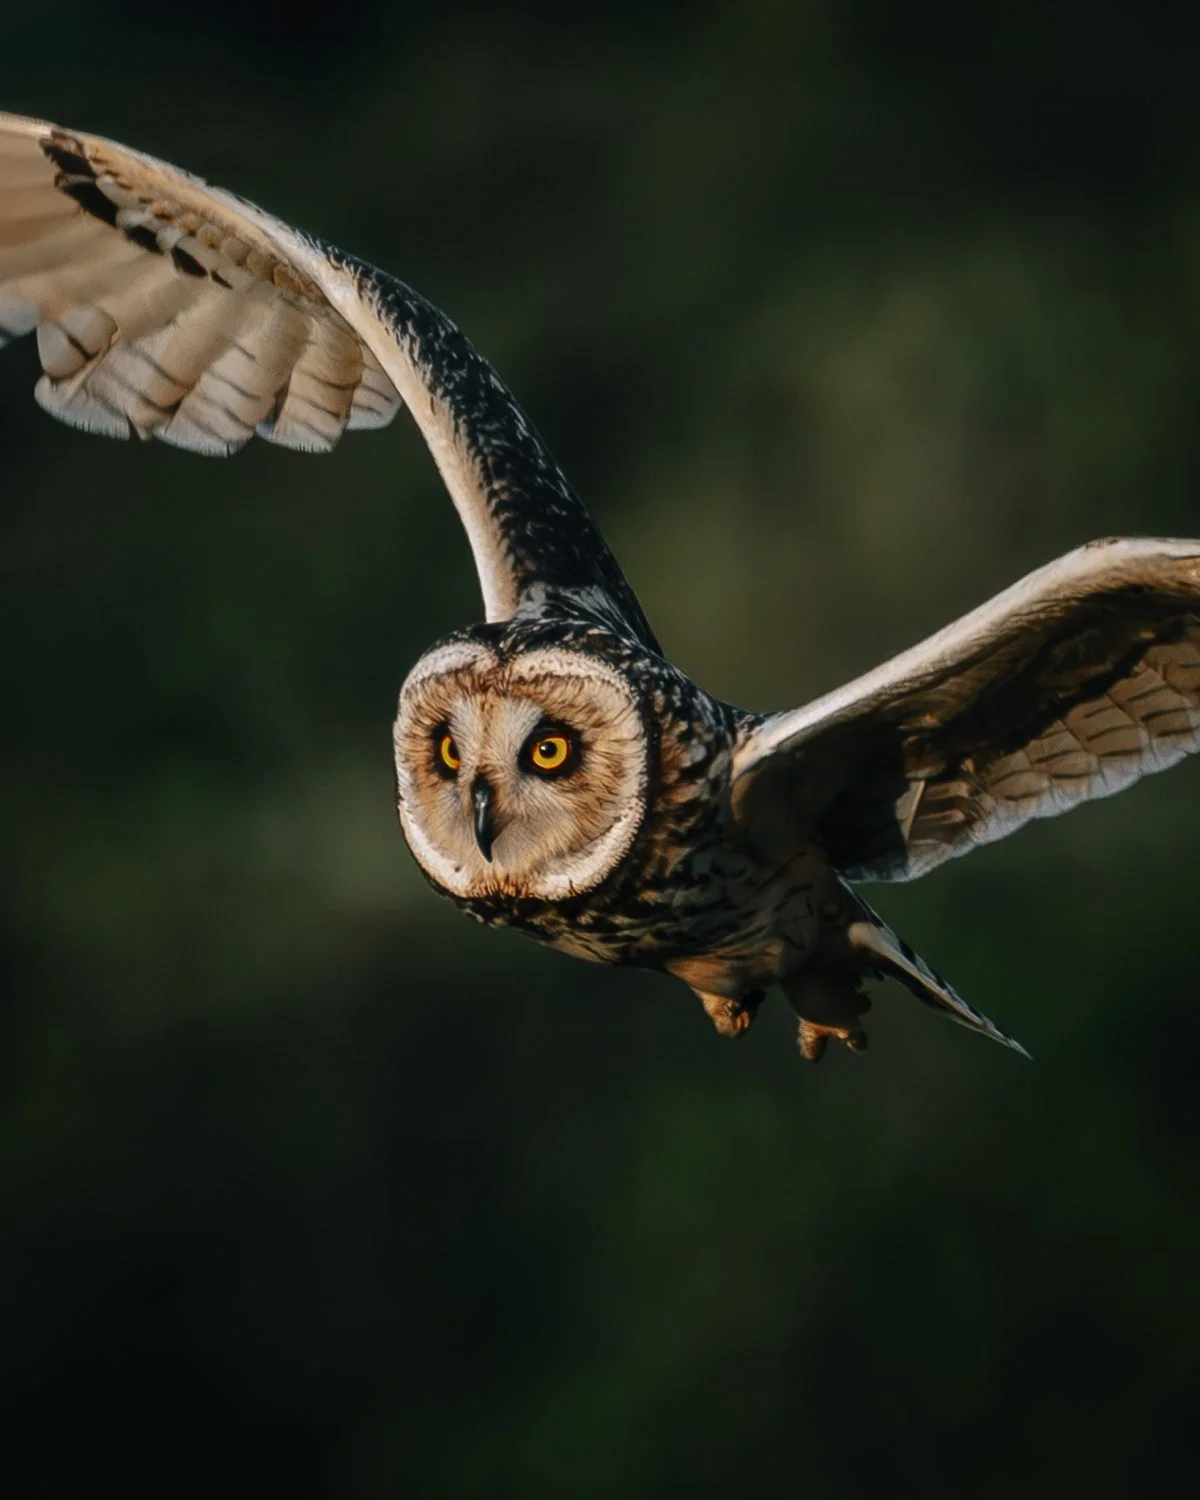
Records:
x=842, y=315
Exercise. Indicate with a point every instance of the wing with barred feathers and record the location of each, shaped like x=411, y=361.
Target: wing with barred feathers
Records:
x=167, y=308
x=1070, y=685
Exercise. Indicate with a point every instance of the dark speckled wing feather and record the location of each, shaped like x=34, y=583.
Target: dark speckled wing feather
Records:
x=1070, y=685
x=167, y=308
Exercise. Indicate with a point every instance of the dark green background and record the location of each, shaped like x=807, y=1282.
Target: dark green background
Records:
x=841, y=316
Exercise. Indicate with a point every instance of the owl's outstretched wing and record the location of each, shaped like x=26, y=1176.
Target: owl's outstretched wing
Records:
x=1070, y=685
x=168, y=308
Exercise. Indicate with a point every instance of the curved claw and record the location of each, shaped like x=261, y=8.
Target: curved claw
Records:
x=812, y=1038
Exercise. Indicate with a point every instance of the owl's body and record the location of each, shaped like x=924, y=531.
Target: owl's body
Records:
x=688, y=891
x=555, y=773
x=692, y=893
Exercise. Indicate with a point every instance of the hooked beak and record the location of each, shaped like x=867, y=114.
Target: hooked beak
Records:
x=485, y=821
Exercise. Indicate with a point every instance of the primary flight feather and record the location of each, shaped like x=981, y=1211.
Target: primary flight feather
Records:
x=555, y=772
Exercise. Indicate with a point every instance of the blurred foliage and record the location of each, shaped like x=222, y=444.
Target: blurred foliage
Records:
x=842, y=315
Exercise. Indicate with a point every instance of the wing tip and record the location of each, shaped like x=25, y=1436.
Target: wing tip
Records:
x=1005, y=1040
x=24, y=125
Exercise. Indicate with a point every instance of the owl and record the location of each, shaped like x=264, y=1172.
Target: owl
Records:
x=555, y=773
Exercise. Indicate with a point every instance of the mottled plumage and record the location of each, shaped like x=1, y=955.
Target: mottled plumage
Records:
x=555, y=772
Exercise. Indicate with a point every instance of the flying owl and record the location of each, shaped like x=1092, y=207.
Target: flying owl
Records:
x=555, y=772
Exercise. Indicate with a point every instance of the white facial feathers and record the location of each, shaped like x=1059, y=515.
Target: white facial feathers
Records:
x=471, y=760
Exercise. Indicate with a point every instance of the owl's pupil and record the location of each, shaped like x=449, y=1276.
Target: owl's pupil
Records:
x=549, y=754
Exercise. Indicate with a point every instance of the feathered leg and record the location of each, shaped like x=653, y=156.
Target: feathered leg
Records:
x=732, y=1016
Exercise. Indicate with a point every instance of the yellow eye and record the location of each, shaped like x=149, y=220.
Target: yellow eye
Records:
x=448, y=753
x=550, y=753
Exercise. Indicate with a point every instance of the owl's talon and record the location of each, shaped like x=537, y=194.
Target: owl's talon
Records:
x=811, y=1041
x=828, y=1004
x=732, y=1016
x=812, y=1038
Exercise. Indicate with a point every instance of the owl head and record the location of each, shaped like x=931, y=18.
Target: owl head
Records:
x=519, y=774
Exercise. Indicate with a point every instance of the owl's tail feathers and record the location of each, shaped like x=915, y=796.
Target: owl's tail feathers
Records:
x=877, y=948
